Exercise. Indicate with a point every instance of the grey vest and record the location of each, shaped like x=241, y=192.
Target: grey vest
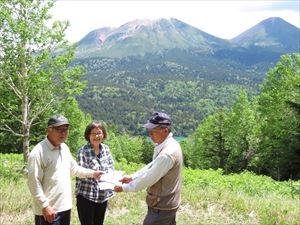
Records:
x=165, y=193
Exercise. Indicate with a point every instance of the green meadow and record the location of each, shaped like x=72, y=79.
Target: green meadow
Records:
x=208, y=198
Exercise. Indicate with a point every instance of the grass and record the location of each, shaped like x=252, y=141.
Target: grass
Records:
x=208, y=198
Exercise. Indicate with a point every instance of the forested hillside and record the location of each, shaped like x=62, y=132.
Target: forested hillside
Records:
x=237, y=103
x=126, y=91
x=168, y=65
x=258, y=133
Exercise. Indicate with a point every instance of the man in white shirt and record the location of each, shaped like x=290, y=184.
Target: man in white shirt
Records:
x=50, y=164
x=162, y=177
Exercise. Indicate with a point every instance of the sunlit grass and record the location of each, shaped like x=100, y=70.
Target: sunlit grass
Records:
x=208, y=198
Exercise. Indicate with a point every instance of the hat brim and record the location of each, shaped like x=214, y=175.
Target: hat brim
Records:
x=59, y=124
x=150, y=125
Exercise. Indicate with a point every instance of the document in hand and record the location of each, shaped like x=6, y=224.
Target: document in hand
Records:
x=109, y=180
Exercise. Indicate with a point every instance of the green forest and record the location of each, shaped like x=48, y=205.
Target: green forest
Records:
x=259, y=135
x=126, y=91
x=234, y=127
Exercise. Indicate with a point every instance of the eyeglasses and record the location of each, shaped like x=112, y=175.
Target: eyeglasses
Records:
x=97, y=134
x=61, y=129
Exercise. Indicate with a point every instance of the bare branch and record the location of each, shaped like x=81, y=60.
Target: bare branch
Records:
x=11, y=113
x=41, y=111
x=13, y=87
x=34, y=124
x=9, y=129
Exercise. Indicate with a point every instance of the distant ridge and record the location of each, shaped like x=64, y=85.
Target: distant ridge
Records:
x=166, y=64
x=139, y=37
x=274, y=33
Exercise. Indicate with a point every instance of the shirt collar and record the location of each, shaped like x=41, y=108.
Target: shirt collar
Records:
x=51, y=146
x=90, y=148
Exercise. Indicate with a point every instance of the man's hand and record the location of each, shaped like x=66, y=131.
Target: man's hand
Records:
x=49, y=214
x=126, y=179
x=97, y=174
x=118, y=188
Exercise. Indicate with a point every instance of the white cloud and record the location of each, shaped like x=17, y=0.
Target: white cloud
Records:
x=224, y=19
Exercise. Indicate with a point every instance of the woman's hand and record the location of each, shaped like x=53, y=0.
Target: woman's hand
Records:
x=118, y=188
x=97, y=174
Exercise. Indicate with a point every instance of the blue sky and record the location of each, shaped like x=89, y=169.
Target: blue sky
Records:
x=223, y=19
x=284, y=5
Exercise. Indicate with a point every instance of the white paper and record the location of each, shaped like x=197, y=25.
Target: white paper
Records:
x=110, y=180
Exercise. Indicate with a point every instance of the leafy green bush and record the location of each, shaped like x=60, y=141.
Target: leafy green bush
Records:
x=129, y=168
x=245, y=182
x=126, y=147
x=11, y=166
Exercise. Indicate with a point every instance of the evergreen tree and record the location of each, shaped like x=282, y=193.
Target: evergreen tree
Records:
x=209, y=150
x=279, y=151
x=242, y=134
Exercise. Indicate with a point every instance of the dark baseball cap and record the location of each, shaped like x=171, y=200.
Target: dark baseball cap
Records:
x=57, y=120
x=158, y=119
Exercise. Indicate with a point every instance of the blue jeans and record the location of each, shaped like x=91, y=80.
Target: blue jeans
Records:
x=62, y=218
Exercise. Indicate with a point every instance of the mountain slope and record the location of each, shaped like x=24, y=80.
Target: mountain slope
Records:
x=145, y=66
x=273, y=33
x=146, y=36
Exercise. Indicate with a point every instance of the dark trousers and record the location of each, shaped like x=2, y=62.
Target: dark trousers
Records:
x=62, y=218
x=160, y=217
x=90, y=213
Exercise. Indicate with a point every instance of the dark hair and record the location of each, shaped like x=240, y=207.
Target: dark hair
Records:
x=91, y=126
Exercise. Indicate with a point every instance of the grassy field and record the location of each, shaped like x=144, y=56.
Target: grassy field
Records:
x=208, y=198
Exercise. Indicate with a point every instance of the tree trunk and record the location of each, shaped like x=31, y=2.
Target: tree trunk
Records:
x=25, y=128
x=25, y=110
x=26, y=148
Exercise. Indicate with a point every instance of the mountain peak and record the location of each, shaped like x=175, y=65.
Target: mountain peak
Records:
x=273, y=32
x=142, y=36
